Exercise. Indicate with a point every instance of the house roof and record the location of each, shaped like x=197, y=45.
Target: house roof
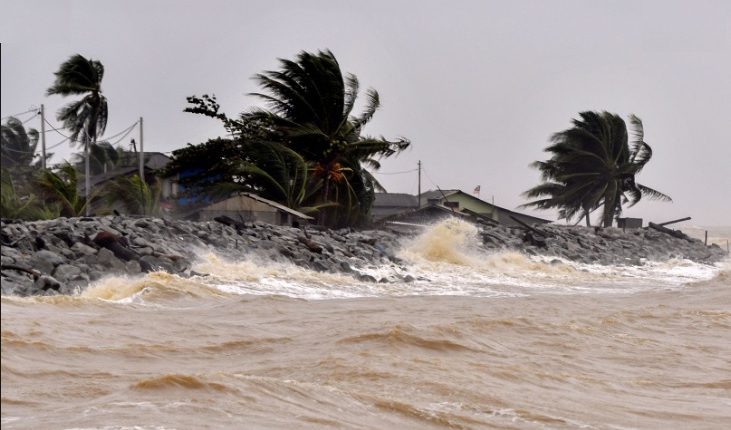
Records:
x=268, y=202
x=438, y=194
x=434, y=209
x=399, y=200
x=445, y=194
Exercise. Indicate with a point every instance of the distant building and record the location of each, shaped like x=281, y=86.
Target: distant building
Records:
x=248, y=207
x=387, y=204
x=128, y=165
x=434, y=205
x=629, y=222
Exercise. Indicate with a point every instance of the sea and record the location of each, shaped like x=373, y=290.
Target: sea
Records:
x=475, y=340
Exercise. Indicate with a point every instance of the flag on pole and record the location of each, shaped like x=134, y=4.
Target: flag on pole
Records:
x=476, y=191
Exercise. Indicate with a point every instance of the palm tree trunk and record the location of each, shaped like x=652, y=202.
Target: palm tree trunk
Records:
x=87, y=178
x=326, y=191
x=588, y=220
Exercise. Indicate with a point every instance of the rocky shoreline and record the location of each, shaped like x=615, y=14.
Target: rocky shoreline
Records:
x=64, y=255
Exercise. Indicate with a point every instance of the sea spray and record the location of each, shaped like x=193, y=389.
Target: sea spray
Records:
x=451, y=241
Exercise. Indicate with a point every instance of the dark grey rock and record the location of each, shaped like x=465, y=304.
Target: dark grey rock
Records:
x=66, y=272
x=366, y=278
x=47, y=283
x=106, y=258
x=133, y=267
x=48, y=256
x=151, y=263
x=81, y=249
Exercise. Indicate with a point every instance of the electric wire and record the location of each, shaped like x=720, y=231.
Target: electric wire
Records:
x=18, y=114
x=33, y=117
x=55, y=129
x=395, y=173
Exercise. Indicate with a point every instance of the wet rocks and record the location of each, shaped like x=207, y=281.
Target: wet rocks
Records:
x=61, y=255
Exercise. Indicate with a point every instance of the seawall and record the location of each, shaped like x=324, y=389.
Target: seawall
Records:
x=64, y=255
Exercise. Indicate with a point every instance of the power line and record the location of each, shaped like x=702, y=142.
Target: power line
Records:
x=125, y=132
x=128, y=131
x=18, y=151
x=33, y=117
x=395, y=173
x=55, y=129
x=21, y=113
x=56, y=144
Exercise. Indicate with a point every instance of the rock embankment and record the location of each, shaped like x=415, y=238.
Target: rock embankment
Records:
x=63, y=255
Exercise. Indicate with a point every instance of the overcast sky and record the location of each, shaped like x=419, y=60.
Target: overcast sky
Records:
x=477, y=86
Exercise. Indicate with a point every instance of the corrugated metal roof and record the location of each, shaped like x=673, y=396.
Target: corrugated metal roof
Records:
x=436, y=194
x=398, y=200
x=277, y=205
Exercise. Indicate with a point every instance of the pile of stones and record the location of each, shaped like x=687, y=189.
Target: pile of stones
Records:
x=64, y=255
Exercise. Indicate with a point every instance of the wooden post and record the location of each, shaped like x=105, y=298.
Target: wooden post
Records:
x=706, y=241
x=142, y=155
x=43, y=136
x=418, y=189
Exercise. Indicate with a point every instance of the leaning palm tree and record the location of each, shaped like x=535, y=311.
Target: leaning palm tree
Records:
x=594, y=165
x=17, y=204
x=17, y=145
x=60, y=188
x=134, y=195
x=85, y=118
x=311, y=107
x=103, y=157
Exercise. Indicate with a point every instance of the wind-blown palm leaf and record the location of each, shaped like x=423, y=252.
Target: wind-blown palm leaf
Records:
x=85, y=118
x=134, y=195
x=61, y=187
x=311, y=104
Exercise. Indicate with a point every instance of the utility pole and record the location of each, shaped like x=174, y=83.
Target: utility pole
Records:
x=418, y=190
x=43, y=136
x=142, y=155
x=87, y=173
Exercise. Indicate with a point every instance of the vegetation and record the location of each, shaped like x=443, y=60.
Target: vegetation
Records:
x=18, y=145
x=15, y=204
x=134, y=195
x=310, y=112
x=60, y=188
x=103, y=157
x=85, y=118
x=593, y=165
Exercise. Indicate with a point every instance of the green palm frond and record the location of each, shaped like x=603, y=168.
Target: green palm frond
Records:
x=134, y=195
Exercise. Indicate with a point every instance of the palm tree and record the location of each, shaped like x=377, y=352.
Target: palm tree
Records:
x=102, y=158
x=310, y=105
x=135, y=195
x=594, y=164
x=16, y=204
x=17, y=145
x=87, y=117
x=280, y=174
x=61, y=189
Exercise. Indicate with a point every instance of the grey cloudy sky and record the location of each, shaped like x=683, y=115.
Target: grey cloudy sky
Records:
x=478, y=86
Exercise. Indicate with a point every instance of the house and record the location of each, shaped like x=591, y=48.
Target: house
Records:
x=387, y=204
x=128, y=165
x=247, y=207
x=469, y=204
x=434, y=205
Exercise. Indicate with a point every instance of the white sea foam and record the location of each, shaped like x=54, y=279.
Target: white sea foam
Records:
x=446, y=259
